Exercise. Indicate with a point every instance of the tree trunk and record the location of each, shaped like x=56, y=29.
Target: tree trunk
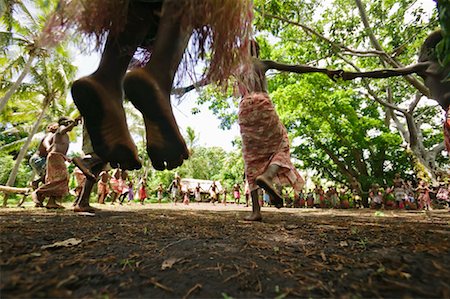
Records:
x=24, y=149
x=16, y=84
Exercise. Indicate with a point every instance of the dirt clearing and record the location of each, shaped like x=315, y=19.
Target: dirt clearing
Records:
x=204, y=251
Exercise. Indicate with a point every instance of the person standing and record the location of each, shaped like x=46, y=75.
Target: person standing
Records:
x=159, y=193
x=424, y=195
x=213, y=190
x=142, y=193
x=246, y=193
x=198, y=193
x=175, y=188
x=102, y=186
x=237, y=193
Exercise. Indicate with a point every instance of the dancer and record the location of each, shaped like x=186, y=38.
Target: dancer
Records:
x=237, y=193
x=266, y=155
x=142, y=193
x=38, y=160
x=57, y=177
x=102, y=187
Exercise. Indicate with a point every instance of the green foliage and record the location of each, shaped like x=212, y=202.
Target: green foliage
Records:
x=443, y=48
x=7, y=163
x=338, y=129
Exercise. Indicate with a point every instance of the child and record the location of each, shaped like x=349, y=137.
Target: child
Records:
x=116, y=186
x=186, y=197
x=142, y=193
x=102, y=187
x=159, y=193
x=237, y=193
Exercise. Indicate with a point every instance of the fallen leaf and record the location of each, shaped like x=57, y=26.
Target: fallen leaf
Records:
x=168, y=263
x=85, y=214
x=343, y=244
x=66, y=243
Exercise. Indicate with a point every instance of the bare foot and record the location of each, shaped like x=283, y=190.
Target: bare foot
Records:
x=37, y=202
x=253, y=217
x=264, y=183
x=104, y=116
x=54, y=206
x=84, y=167
x=88, y=209
x=165, y=145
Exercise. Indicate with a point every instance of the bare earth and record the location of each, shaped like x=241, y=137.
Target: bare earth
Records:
x=206, y=251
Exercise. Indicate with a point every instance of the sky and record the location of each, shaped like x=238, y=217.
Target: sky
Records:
x=205, y=124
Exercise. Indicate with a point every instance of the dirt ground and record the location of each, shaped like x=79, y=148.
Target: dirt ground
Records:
x=205, y=251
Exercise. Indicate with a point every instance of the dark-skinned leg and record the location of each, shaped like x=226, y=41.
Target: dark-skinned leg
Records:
x=95, y=165
x=265, y=181
x=149, y=90
x=256, y=209
x=99, y=96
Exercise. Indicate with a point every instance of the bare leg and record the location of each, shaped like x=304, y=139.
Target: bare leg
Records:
x=82, y=205
x=37, y=200
x=94, y=166
x=265, y=181
x=114, y=197
x=256, y=209
x=99, y=96
x=149, y=90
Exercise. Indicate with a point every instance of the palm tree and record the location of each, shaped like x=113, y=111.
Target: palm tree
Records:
x=17, y=34
x=50, y=79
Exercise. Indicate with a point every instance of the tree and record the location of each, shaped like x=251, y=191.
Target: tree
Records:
x=32, y=45
x=351, y=24
x=50, y=79
x=366, y=129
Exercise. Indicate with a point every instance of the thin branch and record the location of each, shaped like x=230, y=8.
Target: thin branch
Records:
x=414, y=103
x=393, y=62
x=316, y=33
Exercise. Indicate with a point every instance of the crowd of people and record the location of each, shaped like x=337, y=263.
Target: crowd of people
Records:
x=117, y=186
x=399, y=195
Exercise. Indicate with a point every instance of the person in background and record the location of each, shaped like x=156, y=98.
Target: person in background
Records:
x=57, y=176
x=142, y=191
x=102, y=186
x=116, y=185
x=38, y=160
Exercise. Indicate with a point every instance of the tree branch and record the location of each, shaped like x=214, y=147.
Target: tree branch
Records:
x=314, y=32
x=417, y=84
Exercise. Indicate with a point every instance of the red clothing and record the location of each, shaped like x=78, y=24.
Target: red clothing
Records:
x=447, y=130
x=116, y=185
x=142, y=193
x=57, y=177
x=265, y=141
